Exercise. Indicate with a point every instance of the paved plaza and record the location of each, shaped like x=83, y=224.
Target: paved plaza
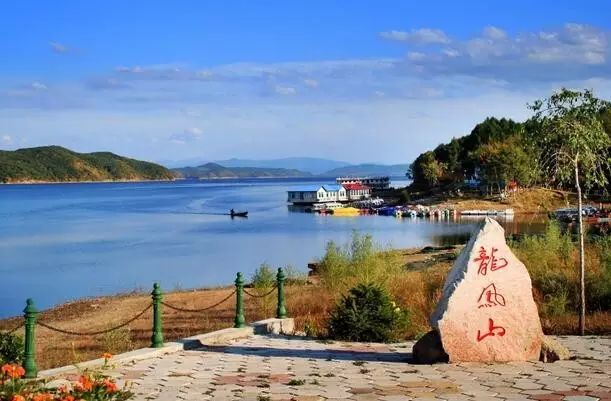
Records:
x=292, y=368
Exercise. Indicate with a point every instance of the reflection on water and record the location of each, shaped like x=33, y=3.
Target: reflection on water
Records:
x=92, y=239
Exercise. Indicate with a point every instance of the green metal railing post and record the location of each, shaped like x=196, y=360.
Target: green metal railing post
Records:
x=240, y=321
x=281, y=310
x=157, y=337
x=29, y=361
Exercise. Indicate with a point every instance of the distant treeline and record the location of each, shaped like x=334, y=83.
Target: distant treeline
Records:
x=57, y=164
x=497, y=151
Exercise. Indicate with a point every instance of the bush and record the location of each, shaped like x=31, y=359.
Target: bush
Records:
x=359, y=261
x=11, y=348
x=367, y=314
x=553, y=264
x=264, y=277
x=263, y=281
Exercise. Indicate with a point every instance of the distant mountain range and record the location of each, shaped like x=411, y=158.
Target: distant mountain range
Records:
x=57, y=164
x=235, y=168
x=369, y=169
x=215, y=170
x=312, y=165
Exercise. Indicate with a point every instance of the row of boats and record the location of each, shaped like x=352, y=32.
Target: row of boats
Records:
x=411, y=211
x=590, y=214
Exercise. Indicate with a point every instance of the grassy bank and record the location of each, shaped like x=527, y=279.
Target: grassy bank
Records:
x=413, y=278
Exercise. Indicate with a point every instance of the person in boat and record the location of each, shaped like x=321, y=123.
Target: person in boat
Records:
x=232, y=212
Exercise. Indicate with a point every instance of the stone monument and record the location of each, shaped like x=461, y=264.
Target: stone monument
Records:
x=487, y=312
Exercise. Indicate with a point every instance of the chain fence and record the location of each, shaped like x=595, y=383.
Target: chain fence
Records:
x=273, y=289
x=95, y=333
x=179, y=309
x=12, y=331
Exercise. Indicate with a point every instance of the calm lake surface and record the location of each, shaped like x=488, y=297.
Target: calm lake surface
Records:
x=65, y=241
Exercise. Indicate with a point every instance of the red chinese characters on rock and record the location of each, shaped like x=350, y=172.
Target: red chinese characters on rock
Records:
x=490, y=297
x=492, y=331
x=491, y=261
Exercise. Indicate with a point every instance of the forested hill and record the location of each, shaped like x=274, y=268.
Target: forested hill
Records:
x=57, y=164
x=496, y=151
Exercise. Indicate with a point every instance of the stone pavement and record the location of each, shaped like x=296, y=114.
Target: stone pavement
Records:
x=263, y=368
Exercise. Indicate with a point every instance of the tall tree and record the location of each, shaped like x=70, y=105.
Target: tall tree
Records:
x=574, y=150
x=505, y=161
x=426, y=170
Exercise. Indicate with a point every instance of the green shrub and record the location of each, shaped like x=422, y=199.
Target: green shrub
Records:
x=263, y=281
x=367, y=314
x=555, y=304
x=264, y=276
x=359, y=261
x=11, y=348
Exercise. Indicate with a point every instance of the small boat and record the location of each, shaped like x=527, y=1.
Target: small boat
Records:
x=238, y=214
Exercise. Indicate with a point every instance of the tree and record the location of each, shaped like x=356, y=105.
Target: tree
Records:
x=506, y=160
x=574, y=150
x=426, y=170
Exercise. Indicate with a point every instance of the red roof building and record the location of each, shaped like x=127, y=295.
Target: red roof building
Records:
x=357, y=191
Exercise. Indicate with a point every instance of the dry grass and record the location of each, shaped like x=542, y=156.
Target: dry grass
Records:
x=417, y=290
x=531, y=200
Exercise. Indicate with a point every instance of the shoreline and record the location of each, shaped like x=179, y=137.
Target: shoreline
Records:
x=37, y=182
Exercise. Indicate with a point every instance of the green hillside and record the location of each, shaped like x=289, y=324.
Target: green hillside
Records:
x=57, y=164
x=214, y=170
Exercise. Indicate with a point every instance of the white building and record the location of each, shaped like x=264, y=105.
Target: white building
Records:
x=318, y=194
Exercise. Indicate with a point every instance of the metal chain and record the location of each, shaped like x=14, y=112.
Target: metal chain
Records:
x=260, y=296
x=15, y=329
x=198, y=310
x=94, y=333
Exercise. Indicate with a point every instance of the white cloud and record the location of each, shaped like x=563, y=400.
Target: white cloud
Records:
x=39, y=86
x=6, y=140
x=285, y=90
x=450, y=52
x=416, y=56
x=312, y=83
x=572, y=51
x=187, y=136
x=420, y=36
x=494, y=33
x=59, y=48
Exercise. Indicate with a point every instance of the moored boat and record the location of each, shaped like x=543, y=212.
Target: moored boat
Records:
x=233, y=213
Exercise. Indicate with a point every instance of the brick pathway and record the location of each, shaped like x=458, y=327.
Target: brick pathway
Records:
x=283, y=368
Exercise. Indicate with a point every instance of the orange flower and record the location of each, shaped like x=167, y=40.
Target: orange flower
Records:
x=84, y=384
x=17, y=397
x=12, y=371
x=106, y=356
x=20, y=372
x=68, y=398
x=109, y=385
x=43, y=397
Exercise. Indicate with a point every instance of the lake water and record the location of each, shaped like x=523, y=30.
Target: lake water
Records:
x=65, y=241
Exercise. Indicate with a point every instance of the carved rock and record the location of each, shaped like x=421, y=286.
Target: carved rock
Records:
x=487, y=312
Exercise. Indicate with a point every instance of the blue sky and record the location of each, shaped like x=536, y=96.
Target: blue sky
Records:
x=351, y=80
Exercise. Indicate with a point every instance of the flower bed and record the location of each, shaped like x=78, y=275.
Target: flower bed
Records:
x=92, y=385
